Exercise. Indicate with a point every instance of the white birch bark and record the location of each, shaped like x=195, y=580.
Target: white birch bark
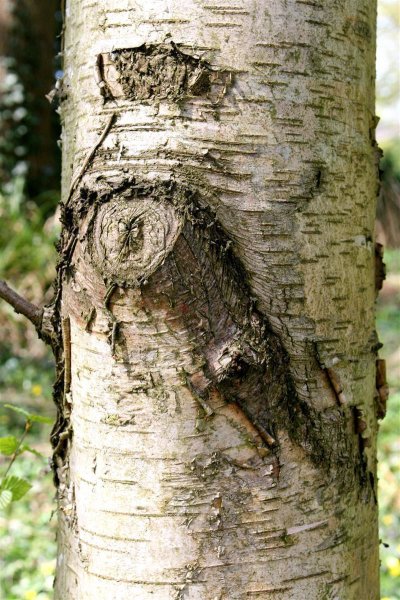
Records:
x=168, y=488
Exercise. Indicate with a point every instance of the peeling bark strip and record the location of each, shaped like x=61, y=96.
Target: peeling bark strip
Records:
x=382, y=388
x=158, y=72
x=216, y=268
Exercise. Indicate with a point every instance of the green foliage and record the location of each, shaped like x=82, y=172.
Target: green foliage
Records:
x=27, y=235
x=27, y=262
x=5, y=498
x=8, y=445
x=27, y=546
x=17, y=486
x=30, y=417
x=27, y=533
x=30, y=378
x=389, y=486
x=14, y=488
x=27, y=259
x=389, y=443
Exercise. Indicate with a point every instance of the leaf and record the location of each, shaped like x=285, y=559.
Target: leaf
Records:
x=5, y=498
x=41, y=419
x=26, y=448
x=17, y=486
x=8, y=445
x=29, y=416
x=17, y=409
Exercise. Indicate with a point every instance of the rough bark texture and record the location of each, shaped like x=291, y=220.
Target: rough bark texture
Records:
x=214, y=311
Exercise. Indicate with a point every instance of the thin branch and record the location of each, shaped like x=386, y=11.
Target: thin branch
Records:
x=20, y=305
x=90, y=156
x=28, y=426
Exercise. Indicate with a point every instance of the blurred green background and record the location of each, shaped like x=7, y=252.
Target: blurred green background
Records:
x=29, y=194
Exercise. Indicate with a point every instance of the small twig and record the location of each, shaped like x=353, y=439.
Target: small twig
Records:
x=20, y=305
x=90, y=156
x=28, y=426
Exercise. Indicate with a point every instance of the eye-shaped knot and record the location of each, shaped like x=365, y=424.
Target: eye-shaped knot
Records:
x=131, y=237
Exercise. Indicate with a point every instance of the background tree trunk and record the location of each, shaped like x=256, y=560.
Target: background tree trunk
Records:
x=28, y=123
x=215, y=308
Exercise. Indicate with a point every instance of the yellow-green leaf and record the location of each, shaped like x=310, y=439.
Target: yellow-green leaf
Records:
x=5, y=498
x=17, y=486
x=29, y=416
x=8, y=445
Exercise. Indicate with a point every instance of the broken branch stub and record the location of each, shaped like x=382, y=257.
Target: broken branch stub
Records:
x=131, y=237
x=158, y=72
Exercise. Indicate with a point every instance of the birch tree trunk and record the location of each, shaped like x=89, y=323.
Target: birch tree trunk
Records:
x=214, y=311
